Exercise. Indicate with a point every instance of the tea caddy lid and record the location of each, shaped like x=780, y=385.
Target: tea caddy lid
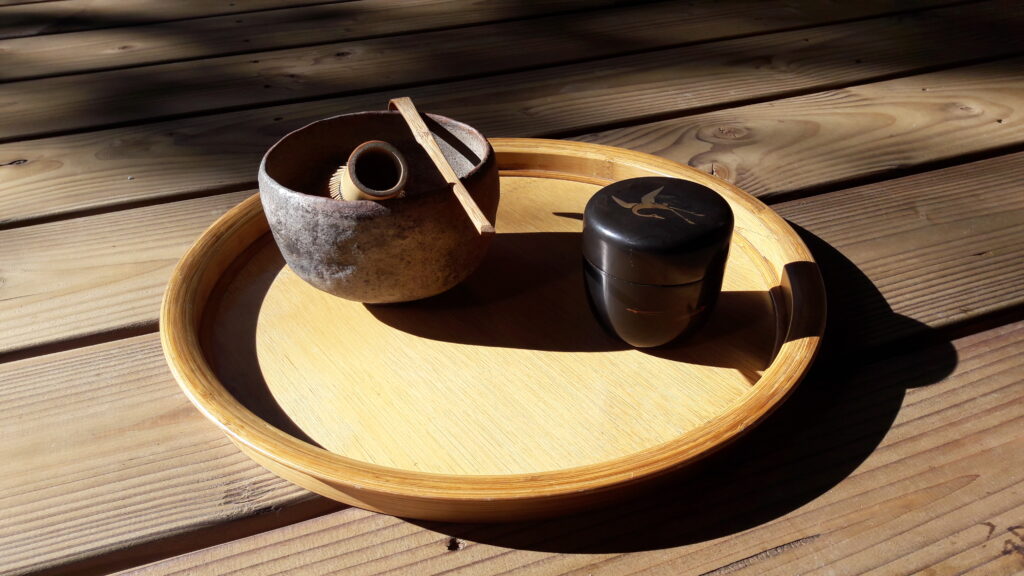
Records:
x=656, y=230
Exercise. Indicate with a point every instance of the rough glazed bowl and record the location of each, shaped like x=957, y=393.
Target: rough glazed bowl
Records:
x=407, y=248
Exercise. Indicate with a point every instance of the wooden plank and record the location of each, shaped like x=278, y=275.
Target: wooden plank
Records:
x=998, y=555
x=55, y=105
x=39, y=18
x=946, y=477
x=77, y=52
x=17, y=2
x=90, y=442
x=908, y=493
x=64, y=174
x=948, y=239
x=94, y=275
x=989, y=541
x=908, y=229
x=952, y=233
x=806, y=142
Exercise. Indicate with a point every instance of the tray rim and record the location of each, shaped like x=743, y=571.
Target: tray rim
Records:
x=432, y=495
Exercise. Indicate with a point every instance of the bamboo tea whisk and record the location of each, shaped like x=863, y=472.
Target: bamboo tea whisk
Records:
x=375, y=170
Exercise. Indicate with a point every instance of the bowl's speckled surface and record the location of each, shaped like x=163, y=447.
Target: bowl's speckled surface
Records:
x=394, y=250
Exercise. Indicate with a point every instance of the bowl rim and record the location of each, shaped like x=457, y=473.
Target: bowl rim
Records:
x=264, y=175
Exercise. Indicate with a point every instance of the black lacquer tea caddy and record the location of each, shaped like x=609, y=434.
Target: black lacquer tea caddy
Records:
x=654, y=253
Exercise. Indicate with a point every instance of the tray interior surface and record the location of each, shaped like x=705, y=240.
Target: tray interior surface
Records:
x=508, y=373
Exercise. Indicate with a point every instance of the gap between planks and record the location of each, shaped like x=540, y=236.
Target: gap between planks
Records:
x=32, y=58
x=5, y=3
x=859, y=132
x=27, y=291
x=120, y=373
x=50, y=18
x=131, y=96
x=900, y=494
x=211, y=154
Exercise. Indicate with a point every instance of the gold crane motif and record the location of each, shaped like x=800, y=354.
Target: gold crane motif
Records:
x=647, y=203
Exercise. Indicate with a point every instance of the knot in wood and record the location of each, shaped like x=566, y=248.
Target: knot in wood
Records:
x=723, y=133
x=963, y=109
x=715, y=169
x=731, y=132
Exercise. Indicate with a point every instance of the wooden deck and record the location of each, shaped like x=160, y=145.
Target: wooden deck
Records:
x=889, y=132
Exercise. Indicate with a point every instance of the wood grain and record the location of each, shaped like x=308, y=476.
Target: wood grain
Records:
x=49, y=296
x=940, y=492
x=220, y=152
x=385, y=542
x=807, y=141
x=16, y=2
x=948, y=238
x=40, y=107
x=884, y=467
x=120, y=367
x=480, y=332
x=41, y=18
x=357, y=449
x=107, y=482
x=122, y=47
x=94, y=275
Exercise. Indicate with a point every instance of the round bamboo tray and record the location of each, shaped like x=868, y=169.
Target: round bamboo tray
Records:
x=501, y=399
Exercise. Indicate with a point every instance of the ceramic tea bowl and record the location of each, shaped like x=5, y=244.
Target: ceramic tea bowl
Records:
x=396, y=250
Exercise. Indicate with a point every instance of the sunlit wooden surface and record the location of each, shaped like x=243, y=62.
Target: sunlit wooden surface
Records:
x=501, y=399
x=889, y=133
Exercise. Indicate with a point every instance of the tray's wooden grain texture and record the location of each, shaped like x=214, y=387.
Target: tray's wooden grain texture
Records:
x=506, y=374
x=501, y=399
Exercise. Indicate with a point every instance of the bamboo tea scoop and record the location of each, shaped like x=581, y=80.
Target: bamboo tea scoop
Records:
x=423, y=136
